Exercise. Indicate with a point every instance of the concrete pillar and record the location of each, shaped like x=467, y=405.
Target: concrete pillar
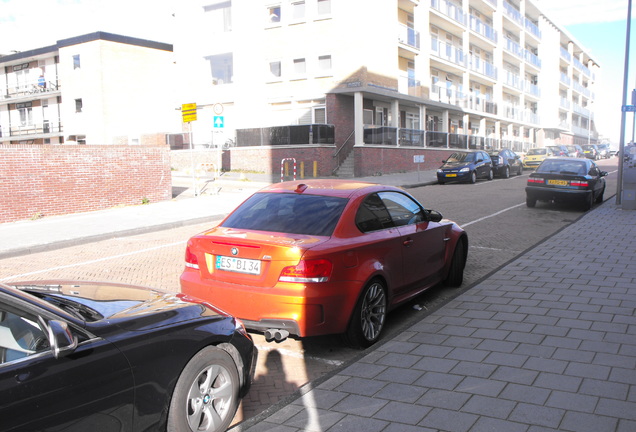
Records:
x=358, y=118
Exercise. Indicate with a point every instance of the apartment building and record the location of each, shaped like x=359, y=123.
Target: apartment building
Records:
x=393, y=73
x=98, y=88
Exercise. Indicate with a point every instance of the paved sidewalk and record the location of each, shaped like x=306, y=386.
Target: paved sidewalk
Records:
x=546, y=343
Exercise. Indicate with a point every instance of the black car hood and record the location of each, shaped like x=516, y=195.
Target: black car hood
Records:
x=454, y=165
x=131, y=307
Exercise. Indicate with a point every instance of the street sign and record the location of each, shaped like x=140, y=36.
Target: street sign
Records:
x=189, y=112
x=628, y=108
x=418, y=159
x=219, y=122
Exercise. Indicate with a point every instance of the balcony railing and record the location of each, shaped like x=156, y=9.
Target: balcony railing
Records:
x=532, y=28
x=513, y=48
x=564, y=103
x=532, y=58
x=35, y=129
x=412, y=138
x=512, y=13
x=483, y=67
x=449, y=9
x=532, y=89
x=580, y=66
x=480, y=103
x=450, y=94
x=406, y=83
x=565, y=79
x=408, y=36
x=513, y=80
x=580, y=110
x=482, y=28
x=31, y=88
x=448, y=52
x=565, y=55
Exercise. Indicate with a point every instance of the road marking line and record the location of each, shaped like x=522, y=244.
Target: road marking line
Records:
x=299, y=355
x=492, y=215
x=92, y=261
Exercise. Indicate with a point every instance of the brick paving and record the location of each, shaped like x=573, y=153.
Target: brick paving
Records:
x=546, y=343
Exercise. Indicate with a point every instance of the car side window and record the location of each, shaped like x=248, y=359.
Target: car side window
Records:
x=373, y=215
x=403, y=210
x=21, y=335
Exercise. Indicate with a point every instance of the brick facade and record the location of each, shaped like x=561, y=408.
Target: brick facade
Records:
x=45, y=180
x=372, y=161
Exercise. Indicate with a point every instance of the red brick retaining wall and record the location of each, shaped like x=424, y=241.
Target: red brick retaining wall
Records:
x=47, y=180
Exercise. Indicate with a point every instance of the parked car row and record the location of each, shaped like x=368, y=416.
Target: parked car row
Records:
x=468, y=166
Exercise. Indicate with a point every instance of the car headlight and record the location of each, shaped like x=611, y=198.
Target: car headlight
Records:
x=465, y=169
x=440, y=170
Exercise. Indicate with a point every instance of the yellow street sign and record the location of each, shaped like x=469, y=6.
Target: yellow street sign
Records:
x=189, y=112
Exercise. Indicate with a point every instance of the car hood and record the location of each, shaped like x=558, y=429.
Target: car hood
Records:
x=128, y=306
x=454, y=165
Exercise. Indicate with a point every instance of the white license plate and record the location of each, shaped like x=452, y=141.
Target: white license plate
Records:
x=240, y=265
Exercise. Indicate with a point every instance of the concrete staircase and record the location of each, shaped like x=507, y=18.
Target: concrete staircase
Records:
x=346, y=168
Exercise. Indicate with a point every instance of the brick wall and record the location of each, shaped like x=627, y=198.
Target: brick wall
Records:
x=46, y=180
x=371, y=161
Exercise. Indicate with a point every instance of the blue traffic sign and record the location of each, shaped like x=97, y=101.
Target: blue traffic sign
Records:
x=219, y=122
x=628, y=108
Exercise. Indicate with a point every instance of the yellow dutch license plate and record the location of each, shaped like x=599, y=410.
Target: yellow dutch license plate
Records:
x=558, y=182
x=451, y=175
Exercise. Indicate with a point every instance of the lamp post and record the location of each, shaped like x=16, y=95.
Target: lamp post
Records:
x=621, y=148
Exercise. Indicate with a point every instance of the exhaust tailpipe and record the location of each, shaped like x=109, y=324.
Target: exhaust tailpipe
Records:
x=277, y=335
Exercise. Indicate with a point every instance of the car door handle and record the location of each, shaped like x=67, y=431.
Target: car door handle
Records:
x=408, y=242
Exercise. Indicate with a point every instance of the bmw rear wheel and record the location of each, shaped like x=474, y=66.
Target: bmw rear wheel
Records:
x=206, y=395
x=369, y=315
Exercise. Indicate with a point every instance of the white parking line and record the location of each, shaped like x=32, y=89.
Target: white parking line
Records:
x=92, y=261
x=492, y=215
x=300, y=355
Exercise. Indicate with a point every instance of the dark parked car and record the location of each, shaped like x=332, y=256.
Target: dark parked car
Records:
x=572, y=180
x=591, y=151
x=88, y=357
x=559, y=150
x=575, y=150
x=505, y=162
x=604, y=151
x=466, y=166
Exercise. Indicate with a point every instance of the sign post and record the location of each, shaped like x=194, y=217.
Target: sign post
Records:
x=189, y=114
x=418, y=159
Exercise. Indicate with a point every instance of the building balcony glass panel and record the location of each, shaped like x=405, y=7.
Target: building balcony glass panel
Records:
x=482, y=28
x=449, y=94
x=408, y=36
x=483, y=67
x=512, y=13
x=448, y=52
x=36, y=129
x=533, y=89
x=565, y=55
x=512, y=111
x=581, y=89
x=532, y=59
x=531, y=117
x=513, y=48
x=31, y=89
x=479, y=102
x=581, y=110
x=532, y=28
x=411, y=138
x=565, y=79
x=580, y=66
x=564, y=103
x=449, y=9
x=513, y=80
x=406, y=83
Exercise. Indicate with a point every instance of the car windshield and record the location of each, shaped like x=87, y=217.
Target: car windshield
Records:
x=288, y=213
x=461, y=157
x=572, y=167
x=537, y=152
x=587, y=147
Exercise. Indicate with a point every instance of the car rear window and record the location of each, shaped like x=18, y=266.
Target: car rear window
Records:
x=562, y=167
x=537, y=152
x=288, y=213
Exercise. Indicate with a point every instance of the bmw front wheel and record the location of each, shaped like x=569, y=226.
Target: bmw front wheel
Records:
x=368, y=317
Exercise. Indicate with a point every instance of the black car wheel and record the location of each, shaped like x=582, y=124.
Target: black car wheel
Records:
x=206, y=395
x=507, y=172
x=531, y=202
x=520, y=170
x=368, y=316
x=491, y=174
x=473, y=177
x=599, y=198
x=458, y=263
x=589, y=201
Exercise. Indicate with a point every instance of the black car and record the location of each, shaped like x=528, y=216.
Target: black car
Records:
x=87, y=357
x=591, y=151
x=573, y=180
x=505, y=162
x=466, y=166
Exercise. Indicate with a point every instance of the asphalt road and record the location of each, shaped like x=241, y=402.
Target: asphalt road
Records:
x=494, y=214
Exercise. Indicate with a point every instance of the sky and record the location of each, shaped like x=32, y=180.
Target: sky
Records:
x=600, y=26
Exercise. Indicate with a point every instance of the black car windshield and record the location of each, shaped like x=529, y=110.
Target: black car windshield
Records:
x=563, y=167
x=461, y=157
x=288, y=213
x=537, y=152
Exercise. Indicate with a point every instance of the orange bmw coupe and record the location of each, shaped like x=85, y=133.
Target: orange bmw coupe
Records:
x=323, y=257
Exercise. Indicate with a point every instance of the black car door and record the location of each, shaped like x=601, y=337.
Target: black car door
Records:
x=88, y=389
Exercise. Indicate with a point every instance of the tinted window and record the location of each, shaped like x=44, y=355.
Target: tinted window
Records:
x=288, y=213
x=537, y=152
x=373, y=215
x=563, y=167
x=403, y=210
x=20, y=335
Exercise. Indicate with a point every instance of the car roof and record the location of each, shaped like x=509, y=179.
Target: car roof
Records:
x=326, y=187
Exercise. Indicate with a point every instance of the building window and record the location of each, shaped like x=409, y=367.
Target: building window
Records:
x=324, y=7
x=320, y=115
x=219, y=16
x=273, y=13
x=275, y=69
x=300, y=66
x=324, y=63
x=76, y=61
x=221, y=68
x=78, y=105
x=298, y=10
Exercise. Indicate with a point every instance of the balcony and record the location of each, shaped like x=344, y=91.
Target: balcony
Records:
x=448, y=52
x=449, y=9
x=581, y=89
x=532, y=58
x=532, y=28
x=409, y=85
x=514, y=48
x=511, y=12
x=564, y=103
x=449, y=94
x=480, y=103
x=581, y=110
x=512, y=111
x=565, y=55
x=32, y=90
x=564, y=79
x=513, y=80
x=408, y=36
x=483, y=67
x=35, y=130
x=580, y=66
x=533, y=89
x=478, y=26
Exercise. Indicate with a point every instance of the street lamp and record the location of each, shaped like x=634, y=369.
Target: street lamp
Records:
x=621, y=148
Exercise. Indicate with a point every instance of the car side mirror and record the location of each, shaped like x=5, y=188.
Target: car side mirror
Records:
x=604, y=173
x=434, y=216
x=61, y=338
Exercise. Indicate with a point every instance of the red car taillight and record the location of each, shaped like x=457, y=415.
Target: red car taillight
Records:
x=535, y=180
x=191, y=259
x=581, y=183
x=317, y=270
